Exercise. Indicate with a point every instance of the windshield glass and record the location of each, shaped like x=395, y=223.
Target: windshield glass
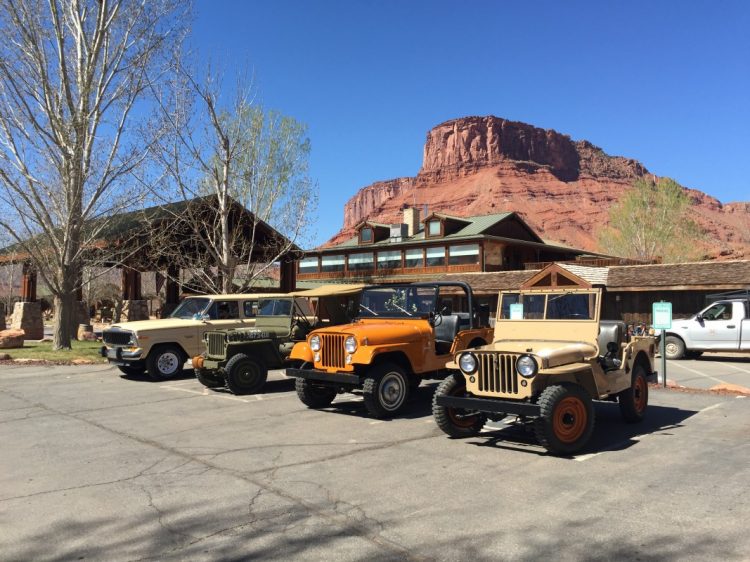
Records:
x=274, y=307
x=189, y=307
x=398, y=301
x=547, y=306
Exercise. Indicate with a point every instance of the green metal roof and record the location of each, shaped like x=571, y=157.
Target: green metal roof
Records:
x=476, y=227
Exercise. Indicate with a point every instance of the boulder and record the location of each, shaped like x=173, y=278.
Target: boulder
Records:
x=11, y=338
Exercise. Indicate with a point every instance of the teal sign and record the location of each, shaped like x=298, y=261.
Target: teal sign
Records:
x=662, y=315
x=516, y=312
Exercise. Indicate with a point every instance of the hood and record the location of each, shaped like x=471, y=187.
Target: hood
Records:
x=161, y=324
x=553, y=353
x=379, y=332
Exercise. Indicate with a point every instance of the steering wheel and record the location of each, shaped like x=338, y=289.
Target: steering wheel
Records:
x=437, y=319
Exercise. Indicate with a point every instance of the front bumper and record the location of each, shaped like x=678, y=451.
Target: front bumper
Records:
x=490, y=405
x=322, y=376
x=118, y=355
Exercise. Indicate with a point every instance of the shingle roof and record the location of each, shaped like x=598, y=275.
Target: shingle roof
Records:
x=729, y=274
x=594, y=275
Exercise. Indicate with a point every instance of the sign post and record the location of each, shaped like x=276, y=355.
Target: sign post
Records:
x=662, y=320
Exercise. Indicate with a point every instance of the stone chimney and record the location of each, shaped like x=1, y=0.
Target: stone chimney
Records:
x=411, y=219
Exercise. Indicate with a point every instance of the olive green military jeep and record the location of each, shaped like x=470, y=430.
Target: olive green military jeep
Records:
x=240, y=358
x=551, y=356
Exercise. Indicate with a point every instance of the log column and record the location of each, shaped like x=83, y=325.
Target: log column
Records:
x=288, y=275
x=133, y=305
x=173, y=290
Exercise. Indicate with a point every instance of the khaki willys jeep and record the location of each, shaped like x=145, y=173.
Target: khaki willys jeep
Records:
x=403, y=333
x=550, y=357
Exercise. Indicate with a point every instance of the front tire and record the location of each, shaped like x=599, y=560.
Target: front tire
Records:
x=209, y=379
x=165, y=362
x=454, y=421
x=634, y=400
x=566, y=421
x=674, y=347
x=385, y=390
x=312, y=396
x=245, y=375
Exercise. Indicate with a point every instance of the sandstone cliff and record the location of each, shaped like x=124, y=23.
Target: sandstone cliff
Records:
x=562, y=188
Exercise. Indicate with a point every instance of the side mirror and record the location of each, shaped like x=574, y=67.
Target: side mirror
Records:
x=699, y=317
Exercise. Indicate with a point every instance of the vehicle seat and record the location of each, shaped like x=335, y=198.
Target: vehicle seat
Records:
x=445, y=333
x=610, y=331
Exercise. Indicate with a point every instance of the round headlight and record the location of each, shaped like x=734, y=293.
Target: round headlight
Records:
x=526, y=366
x=467, y=362
x=350, y=344
x=315, y=343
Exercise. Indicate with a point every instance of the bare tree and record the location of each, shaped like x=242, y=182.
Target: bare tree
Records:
x=74, y=75
x=225, y=156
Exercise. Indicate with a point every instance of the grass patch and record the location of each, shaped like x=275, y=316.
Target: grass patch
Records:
x=42, y=351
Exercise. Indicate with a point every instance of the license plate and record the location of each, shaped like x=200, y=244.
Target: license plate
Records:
x=112, y=353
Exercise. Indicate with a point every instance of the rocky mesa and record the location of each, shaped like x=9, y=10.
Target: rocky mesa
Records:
x=561, y=187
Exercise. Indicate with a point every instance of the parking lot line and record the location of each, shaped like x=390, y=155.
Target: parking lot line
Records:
x=206, y=393
x=737, y=368
x=681, y=366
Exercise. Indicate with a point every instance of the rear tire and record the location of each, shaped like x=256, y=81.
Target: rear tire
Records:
x=634, y=400
x=312, y=396
x=165, y=362
x=245, y=375
x=385, y=390
x=674, y=347
x=209, y=379
x=453, y=421
x=566, y=421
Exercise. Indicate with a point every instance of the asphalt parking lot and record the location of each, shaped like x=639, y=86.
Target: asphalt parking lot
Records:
x=710, y=370
x=98, y=466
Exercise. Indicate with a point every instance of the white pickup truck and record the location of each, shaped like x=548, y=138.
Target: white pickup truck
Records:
x=722, y=326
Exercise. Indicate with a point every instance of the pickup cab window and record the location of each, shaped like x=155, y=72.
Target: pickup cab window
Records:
x=719, y=311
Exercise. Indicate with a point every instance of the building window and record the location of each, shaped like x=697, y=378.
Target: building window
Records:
x=308, y=265
x=365, y=235
x=332, y=263
x=434, y=228
x=464, y=254
x=389, y=260
x=358, y=262
x=415, y=258
x=435, y=256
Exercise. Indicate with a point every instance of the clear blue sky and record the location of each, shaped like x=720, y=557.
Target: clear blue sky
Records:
x=667, y=83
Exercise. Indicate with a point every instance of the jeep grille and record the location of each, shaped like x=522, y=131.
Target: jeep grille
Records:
x=216, y=344
x=332, y=350
x=497, y=373
x=115, y=337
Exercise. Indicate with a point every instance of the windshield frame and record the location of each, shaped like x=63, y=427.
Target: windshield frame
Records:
x=409, y=308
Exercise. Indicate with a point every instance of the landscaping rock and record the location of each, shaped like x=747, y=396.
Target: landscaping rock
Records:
x=11, y=338
x=4, y=357
x=81, y=362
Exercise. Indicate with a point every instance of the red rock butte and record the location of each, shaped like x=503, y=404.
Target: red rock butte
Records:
x=562, y=188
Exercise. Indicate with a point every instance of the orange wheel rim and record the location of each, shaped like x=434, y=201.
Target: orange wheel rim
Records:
x=569, y=419
x=640, y=394
x=454, y=413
